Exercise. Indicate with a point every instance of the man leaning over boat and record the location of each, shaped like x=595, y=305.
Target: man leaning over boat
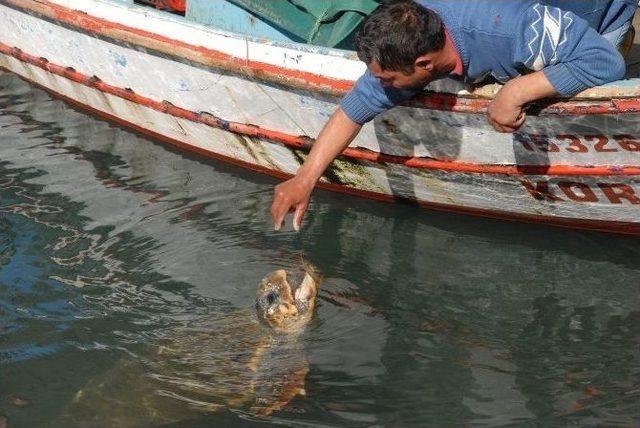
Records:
x=537, y=49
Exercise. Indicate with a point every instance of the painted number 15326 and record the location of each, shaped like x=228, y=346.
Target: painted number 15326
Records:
x=579, y=144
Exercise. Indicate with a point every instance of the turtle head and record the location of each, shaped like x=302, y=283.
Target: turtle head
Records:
x=274, y=300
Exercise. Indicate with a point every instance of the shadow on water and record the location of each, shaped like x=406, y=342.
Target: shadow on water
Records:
x=113, y=245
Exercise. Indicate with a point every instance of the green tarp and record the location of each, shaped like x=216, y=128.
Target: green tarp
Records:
x=318, y=22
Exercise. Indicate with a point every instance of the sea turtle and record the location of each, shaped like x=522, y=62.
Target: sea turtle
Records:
x=242, y=360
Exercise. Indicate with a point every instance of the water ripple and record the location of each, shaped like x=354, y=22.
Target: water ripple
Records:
x=128, y=275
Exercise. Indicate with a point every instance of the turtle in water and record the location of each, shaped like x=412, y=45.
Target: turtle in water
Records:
x=242, y=360
x=282, y=310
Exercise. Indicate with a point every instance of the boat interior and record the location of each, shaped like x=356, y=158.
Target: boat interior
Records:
x=327, y=23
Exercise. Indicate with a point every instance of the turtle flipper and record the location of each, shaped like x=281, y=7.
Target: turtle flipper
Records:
x=305, y=297
x=292, y=386
x=307, y=289
x=305, y=294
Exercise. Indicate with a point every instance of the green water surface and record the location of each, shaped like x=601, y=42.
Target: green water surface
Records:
x=111, y=244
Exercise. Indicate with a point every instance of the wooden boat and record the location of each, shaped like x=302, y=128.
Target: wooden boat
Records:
x=258, y=103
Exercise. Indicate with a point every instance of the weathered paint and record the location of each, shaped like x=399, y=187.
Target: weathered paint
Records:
x=406, y=132
x=297, y=142
x=492, y=195
x=231, y=52
x=309, y=66
x=559, y=170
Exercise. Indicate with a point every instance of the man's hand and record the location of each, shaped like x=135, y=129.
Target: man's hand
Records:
x=292, y=195
x=506, y=112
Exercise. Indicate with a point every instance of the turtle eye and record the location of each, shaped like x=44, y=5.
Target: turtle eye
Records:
x=271, y=297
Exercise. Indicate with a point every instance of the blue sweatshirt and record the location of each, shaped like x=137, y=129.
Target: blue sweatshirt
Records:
x=504, y=38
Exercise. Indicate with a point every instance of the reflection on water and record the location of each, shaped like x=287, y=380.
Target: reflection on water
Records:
x=229, y=362
x=128, y=265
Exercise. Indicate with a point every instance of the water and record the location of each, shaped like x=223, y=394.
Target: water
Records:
x=113, y=248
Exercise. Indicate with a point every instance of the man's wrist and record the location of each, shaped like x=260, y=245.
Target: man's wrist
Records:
x=307, y=179
x=513, y=94
x=528, y=88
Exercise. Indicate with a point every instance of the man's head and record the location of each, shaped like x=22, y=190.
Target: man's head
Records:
x=400, y=42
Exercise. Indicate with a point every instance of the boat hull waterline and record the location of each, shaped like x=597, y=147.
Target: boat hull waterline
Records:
x=575, y=165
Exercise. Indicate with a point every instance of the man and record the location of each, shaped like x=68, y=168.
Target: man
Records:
x=538, y=49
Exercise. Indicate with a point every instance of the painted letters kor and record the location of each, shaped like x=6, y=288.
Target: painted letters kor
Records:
x=566, y=191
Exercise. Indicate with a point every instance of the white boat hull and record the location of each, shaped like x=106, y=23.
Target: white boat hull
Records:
x=569, y=169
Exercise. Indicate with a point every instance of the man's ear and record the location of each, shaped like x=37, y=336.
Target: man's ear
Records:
x=424, y=62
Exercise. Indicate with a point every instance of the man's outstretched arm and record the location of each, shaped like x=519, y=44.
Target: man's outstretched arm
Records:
x=295, y=193
x=367, y=99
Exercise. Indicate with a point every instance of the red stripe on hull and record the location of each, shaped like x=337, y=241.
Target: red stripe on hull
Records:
x=623, y=228
x=434, y=101
x=96, y=25
x=304, y=143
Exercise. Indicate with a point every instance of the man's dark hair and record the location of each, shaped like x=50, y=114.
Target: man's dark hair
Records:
x=397, y=33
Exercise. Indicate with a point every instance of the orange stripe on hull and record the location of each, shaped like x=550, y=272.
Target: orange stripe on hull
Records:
x=624, y=228
x=305, y=143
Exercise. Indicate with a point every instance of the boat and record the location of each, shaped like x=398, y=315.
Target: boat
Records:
x=251, y=94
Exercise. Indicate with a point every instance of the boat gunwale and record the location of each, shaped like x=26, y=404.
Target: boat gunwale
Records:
x=462, y=102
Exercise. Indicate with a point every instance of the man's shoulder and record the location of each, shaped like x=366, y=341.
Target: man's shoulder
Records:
x=489, y=16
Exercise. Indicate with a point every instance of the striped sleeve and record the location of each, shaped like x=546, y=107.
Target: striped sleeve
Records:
x=572, y=55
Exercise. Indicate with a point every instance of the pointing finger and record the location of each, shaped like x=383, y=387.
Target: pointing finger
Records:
x=301, y=209
x=279, y=210
x=278, y=219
